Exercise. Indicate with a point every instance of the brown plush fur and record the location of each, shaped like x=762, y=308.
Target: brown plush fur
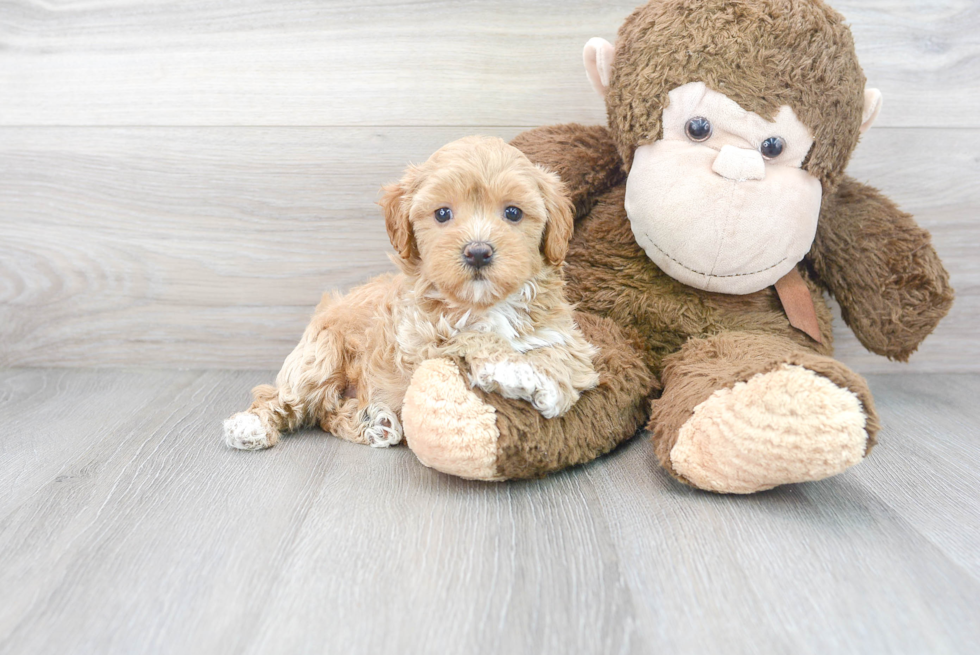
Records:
x=584, y=157
x=530, y=446
x=609, y=274
x=882, y=269
x=761, y=54
x=689, y=332
x=872, y=257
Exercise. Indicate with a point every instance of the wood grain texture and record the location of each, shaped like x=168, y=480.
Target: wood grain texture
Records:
x=186, y=247
x=138, y=531
x=306, y=62
x=209, y=247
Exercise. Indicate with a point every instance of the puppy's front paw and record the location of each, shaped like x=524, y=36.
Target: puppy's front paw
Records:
x=550, y=401
x=246, y=432
x=382, y=427
x=482, y=376
x=519, y=379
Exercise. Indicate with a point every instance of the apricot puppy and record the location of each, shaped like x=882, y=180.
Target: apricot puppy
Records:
x=481, y=234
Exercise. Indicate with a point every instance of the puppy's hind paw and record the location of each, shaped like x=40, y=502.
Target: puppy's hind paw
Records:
x=382, y=427
x=246, y=432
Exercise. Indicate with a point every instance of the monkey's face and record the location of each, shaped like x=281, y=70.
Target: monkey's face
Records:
x=721, y=202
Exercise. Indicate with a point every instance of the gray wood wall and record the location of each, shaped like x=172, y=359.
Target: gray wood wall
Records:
x=179, y=181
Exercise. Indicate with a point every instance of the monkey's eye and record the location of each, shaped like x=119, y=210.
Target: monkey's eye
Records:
x=513, y=214
x=698, y=129
x=444, y=214
x=772, y=147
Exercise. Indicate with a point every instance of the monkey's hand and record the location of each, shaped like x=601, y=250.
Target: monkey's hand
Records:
x=882, y=269
x=585, y=157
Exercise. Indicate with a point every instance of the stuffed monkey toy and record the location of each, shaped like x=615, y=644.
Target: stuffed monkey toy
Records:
x=713, y=215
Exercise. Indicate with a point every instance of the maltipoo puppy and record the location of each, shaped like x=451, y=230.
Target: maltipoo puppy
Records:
x=481, y=234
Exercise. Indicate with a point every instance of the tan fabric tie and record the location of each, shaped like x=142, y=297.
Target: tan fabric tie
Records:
x=798, y=304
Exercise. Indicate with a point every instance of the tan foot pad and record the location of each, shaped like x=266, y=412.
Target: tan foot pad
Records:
x=447, y=426
x=788, y=425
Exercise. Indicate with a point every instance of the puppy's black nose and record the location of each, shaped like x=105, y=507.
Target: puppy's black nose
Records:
x=477, y=254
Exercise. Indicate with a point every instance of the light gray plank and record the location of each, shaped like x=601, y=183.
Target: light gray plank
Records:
x=162, y=540
x=912, y=50
x=930, y=428
x=112, y=555
x=260, y=62
x=796, y=570
x=34, y=452
x=190, y=547
x=444, y=565
x=209, y=247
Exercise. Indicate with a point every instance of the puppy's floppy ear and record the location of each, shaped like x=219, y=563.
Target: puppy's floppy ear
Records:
x=561, y=218
x=396, y=200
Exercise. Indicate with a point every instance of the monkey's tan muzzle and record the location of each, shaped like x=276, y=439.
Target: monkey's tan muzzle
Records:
x=713, y=220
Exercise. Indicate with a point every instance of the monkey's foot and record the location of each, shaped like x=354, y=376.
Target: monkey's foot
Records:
x=785, y=426
x=447, y=426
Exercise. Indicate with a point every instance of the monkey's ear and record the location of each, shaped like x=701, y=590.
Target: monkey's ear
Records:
x=598, y=57
x=561, y=219
x=872, y=107
x=395, y=202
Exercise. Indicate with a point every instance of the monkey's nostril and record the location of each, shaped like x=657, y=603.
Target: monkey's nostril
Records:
x=477, y=254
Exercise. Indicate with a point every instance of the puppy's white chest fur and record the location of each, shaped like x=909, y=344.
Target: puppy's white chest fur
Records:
x=504, y=347
x=509, y=319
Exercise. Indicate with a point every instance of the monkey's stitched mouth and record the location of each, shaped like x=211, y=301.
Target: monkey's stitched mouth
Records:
x=710, y=275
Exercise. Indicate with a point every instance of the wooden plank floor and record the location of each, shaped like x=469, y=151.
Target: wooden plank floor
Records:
x=127, y=527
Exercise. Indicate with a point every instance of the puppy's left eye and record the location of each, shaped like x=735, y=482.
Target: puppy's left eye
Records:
x=444, y=214
x=513, y=214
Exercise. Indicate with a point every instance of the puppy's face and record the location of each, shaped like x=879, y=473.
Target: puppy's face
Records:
x=478, y=219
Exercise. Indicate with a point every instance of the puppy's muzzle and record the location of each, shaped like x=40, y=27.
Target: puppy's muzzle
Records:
x=478, y=254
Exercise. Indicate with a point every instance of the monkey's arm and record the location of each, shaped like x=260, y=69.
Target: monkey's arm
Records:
x=882, y=269
x=585, y=158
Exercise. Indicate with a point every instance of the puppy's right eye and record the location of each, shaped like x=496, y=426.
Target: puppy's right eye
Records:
x=444, y=214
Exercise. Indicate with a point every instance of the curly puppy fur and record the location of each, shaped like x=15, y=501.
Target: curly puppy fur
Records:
x=505, y=314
